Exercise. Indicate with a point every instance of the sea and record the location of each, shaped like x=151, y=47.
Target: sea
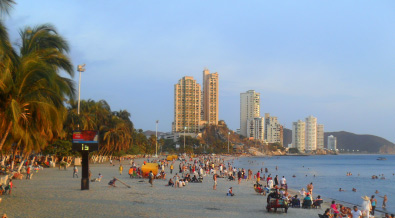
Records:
x=328, y=173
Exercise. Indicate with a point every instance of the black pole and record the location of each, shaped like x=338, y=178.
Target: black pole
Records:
x=85, y=170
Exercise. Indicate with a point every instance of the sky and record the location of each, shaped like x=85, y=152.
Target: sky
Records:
x=334, y=60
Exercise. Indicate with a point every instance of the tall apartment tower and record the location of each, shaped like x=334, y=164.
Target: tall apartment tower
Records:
x=320, y=136
x=210, y=97
x=272, y=129
x=187, y=102
x=298, y=135
x=249, y=109
x=255, y=128
x=332, y=143
x=311, y=133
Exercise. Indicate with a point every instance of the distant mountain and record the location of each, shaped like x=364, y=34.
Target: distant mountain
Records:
x=351, y=141
x=368, y=143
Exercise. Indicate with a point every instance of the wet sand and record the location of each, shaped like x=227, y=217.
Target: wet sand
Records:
x=55, y=193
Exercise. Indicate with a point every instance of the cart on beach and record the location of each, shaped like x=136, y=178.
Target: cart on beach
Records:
x=275, y=201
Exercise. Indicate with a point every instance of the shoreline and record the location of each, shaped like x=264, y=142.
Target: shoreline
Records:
x=327, y=200
x=54, y=193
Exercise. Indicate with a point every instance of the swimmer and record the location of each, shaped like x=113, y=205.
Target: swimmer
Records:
x=354, y=189
x=377, y=191
x=341, y=190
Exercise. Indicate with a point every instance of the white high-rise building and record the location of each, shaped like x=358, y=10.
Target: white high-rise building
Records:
x=332, y=143
x=249, y=109
x=320, y=136
x=311, y=134
x=255, y=128
x=272, y=130
x=298, y=135
x=210, y=97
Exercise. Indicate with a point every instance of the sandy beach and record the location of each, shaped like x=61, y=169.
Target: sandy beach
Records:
x=55, y=193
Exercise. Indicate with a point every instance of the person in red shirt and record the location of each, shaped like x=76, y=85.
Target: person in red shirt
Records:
x=28, y=171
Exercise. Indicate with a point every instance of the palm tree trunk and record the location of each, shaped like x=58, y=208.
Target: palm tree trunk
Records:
x=5, y=135
x=21, y=164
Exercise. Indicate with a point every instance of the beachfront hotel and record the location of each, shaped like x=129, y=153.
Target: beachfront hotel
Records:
x=210, y=98
x=332, y=143
x=298, y=135
x=320, y=136
x=249, y=109
x=187, y=103
x=255, y=128
x=273, y=130
x=311, y=133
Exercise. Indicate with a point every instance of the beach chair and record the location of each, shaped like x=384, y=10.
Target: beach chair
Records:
x=306, y=204
x=317, y=203
x=295, y=203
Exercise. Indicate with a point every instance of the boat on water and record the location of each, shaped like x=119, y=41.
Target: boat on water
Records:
x=381, y=158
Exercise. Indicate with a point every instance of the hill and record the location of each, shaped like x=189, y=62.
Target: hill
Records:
x=368, y=143
x=352, y=141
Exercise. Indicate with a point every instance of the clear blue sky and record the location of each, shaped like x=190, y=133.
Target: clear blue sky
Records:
x=331, y=59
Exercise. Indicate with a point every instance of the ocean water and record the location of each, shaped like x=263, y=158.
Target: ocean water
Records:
x=330, y=175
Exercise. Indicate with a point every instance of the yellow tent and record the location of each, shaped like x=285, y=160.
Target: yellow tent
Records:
x=148, y=167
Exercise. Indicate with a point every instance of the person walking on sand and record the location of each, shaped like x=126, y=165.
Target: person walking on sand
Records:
x=310, y=188
x=215, y=182
x=239, y=176
x=151, y=178
x=120, y=169
x=366, y=207
x=28, y=172
x=171, y=168
x=373, y=201
x=75, y=171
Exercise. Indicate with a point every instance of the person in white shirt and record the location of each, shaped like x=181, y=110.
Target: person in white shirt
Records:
x=283, y=181
x=356, y=213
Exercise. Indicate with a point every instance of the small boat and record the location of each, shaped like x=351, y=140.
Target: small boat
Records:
x=381, y=158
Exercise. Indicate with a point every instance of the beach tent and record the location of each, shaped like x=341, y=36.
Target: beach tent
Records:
x=148, y=167
x=171, y=157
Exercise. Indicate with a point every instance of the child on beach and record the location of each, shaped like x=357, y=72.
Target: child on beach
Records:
x=230, y=192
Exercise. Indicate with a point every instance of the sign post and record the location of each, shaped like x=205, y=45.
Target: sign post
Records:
x=85, y=141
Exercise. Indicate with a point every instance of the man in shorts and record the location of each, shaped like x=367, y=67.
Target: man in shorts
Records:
x=215, y=182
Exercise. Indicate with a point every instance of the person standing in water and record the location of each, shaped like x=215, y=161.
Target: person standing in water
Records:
x=385, y=199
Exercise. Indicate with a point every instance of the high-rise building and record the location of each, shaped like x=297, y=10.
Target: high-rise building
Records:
x=210, y=97
x=255, y=128
x=249, y=109
x=272, y=129
x=311, y=134
x=332, y=143
x=187, y=103
x=320, y=136
x=298, y=135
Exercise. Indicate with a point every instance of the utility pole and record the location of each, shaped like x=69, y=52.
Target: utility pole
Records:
x=156, y=139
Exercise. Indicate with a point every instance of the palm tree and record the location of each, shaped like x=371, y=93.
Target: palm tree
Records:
x=31, y=104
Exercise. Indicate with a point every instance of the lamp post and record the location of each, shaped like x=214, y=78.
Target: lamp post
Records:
x=156, y=138
x=185, y=128
x=80, y=68
x=228, y=141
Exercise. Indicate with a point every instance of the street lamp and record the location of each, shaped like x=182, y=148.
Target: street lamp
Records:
x=185, y=128
x=228, y=141
x=80, y=68
x=156, y=138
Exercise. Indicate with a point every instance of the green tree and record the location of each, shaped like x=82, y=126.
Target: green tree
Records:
x=31, y=100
